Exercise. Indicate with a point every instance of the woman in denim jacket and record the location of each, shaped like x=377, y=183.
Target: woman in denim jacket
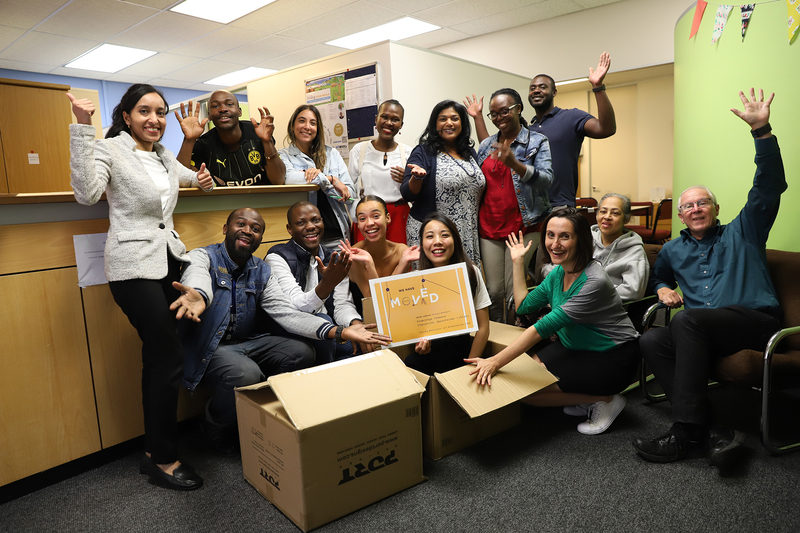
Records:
x=516, y=163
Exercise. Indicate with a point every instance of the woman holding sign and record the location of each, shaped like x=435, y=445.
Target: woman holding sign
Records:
x=441, y=246
x=597, y=351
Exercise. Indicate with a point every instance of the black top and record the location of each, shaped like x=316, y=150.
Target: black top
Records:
x=245, y=166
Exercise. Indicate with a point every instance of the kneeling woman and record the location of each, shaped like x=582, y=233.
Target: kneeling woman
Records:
x=597, y=351
x=441, y=246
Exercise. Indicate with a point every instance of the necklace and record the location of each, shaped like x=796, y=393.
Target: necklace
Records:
x=471, y=165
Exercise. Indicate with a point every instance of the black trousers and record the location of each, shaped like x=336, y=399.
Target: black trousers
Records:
x=146, y=304
x=682, y=356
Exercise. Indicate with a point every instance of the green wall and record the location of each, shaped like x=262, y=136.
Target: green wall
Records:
x=713, y=147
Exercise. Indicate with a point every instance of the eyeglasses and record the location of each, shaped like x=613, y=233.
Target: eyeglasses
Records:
x=503, y=112
x=701, y=203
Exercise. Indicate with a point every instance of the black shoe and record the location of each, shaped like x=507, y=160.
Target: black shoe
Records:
x=182, y=478
x=221, y=441
x=724, y=447
x=674, y=446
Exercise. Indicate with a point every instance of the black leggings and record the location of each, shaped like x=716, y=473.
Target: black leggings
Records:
x=146, y=304
x=446, y=354
x=593, y=373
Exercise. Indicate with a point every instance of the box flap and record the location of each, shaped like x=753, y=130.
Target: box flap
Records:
x=329, y=392
x=421, y=377
x=520, y=378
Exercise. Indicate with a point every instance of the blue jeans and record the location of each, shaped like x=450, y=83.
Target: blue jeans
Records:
x=237, y=364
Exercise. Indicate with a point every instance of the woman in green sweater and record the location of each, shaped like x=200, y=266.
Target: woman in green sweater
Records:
x=597, y=351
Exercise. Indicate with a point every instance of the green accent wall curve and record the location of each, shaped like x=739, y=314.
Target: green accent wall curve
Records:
x=713, y=147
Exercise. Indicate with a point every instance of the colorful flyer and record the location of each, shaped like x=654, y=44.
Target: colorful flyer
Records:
x=430, y=304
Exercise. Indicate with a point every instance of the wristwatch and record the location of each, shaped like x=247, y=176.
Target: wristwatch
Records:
x=763, y=130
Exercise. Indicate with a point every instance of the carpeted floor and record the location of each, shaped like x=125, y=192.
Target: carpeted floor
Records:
x=540, y=476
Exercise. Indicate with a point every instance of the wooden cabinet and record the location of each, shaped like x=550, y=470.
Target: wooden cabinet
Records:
x=34, y=119
x=47, y=413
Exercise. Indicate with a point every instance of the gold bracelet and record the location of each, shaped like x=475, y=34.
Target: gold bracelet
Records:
x=268, y=157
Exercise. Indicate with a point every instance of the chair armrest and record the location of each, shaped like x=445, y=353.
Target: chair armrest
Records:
x=772, y=344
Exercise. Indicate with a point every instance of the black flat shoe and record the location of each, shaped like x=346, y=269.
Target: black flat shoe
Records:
x=674, y=446
x=183, y=477
x=724, y=447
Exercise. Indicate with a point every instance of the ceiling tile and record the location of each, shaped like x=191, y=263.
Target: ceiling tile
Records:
x=46, y=49
x=436, y=38
x=177, y=84
x=264, y=50
x=24, y=66
x=205, y=87
x=158, y=65
x=344, y=21
x=218, y=42
x=201, y=71
x=524, y=15
x=158, y=4
x=128, y=78
x=79, y=73
x=284, y=14
x=165, y=31
x=460, y=11
x=588, y=4
x=26, y=13
x=99, y=18
x=8, y=35
x=409, y=7
x=303, y=56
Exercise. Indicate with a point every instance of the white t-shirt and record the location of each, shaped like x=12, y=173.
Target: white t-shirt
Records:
x=375, y=177
x=481, y=299
x=157, y=172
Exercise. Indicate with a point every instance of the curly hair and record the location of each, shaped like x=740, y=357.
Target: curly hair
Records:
x=431, y=138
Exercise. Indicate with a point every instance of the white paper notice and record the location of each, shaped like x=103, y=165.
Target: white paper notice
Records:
x=33, y=159
x=361, y=92
x=89, y=256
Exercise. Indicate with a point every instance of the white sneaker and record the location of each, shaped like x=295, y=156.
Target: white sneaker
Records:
x=581, y=409
x=601, y=415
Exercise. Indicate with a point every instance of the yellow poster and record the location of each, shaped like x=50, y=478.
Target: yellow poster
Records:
x=430, y=303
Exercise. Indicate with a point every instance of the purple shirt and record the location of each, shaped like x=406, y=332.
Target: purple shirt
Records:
x=564, y=129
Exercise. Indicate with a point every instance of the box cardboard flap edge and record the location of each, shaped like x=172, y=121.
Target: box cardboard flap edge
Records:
x=520, y=378
x=329, y=392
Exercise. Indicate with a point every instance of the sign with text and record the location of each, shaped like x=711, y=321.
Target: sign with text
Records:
x=431, y=303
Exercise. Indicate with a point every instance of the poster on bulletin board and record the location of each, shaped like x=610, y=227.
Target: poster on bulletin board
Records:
x=347, y=102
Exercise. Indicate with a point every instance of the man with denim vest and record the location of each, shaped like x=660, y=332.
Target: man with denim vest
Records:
x=231, y=345
x=729, y=301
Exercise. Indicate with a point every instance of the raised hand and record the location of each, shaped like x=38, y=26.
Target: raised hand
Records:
x=423, y=346
x=205, y=179
x=337, y=269
x=417, y=171
x=356, y=254
x=503, y=153
x=756, y=111
x=516, y=245
x=266, y=126
x=190, y=304
x=82, y=108
x=191, y=125
x=474, y=106
x=596, y=77
x=397, y=174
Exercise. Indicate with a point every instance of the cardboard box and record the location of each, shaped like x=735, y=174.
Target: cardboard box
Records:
x=326, y=441
x=456, y=413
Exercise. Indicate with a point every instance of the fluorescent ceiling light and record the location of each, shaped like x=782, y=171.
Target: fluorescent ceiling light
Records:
x=247, y=74
x=109, y=58
x=567, y=82
x=222, y=12
x=396, y=31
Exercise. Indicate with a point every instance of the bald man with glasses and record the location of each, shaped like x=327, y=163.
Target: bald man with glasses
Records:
x=729, y=301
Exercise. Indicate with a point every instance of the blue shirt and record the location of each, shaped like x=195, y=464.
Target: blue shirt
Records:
x=564, y=130
x=728, y=266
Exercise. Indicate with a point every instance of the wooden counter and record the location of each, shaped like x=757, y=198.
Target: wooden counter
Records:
x=70, y=365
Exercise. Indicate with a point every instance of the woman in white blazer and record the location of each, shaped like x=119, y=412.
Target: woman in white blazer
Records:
x=143, y=252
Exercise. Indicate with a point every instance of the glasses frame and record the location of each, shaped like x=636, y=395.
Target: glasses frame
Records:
x=688, y=206
x=502, y=114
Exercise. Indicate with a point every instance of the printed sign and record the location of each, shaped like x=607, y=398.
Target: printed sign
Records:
x=430, y=303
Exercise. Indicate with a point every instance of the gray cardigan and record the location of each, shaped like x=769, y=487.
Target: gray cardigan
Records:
x=139, y=233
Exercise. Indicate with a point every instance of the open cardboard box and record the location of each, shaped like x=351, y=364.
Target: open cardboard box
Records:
x=456, y=412
x=324, y=442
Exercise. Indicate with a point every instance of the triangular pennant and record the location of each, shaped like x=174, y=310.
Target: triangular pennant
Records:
x=719, y=21
x=747, y=12
x=794, y=16
x=698, y=16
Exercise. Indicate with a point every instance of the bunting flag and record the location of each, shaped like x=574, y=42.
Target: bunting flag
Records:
x=794, y=16
x=698, y=16
x=719, y=22
x=747, y=12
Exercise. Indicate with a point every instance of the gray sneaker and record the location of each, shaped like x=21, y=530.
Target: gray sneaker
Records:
x=581, y=409
x=601, y=415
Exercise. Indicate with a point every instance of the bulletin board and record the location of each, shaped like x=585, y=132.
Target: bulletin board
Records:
x=347, y=102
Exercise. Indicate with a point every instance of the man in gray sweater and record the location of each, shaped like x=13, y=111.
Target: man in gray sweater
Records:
x=231, y=346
